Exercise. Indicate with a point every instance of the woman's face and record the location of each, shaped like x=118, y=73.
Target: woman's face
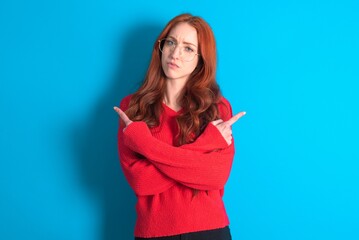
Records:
x=174, y=63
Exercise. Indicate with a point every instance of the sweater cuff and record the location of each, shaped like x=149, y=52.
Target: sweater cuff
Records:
x=211, y=135
x=137, y=136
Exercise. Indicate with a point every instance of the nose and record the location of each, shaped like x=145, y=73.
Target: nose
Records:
x=176, y=52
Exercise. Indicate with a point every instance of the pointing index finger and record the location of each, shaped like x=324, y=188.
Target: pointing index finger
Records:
x=234, y=119
x=122, y=115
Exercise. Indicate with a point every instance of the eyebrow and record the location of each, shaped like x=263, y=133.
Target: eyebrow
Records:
x=183, y=42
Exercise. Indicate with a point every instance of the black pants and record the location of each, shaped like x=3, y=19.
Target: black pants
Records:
x=216, y=234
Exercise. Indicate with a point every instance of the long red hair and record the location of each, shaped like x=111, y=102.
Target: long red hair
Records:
x=199, y=97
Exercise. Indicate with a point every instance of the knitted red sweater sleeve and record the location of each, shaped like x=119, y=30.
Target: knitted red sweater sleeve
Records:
x=143, y=177
x=203, y=170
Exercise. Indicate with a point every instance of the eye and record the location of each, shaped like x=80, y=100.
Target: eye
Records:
x=188, y=49
x=169, y=42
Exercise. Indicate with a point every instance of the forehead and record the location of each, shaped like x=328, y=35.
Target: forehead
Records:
x=183, y=32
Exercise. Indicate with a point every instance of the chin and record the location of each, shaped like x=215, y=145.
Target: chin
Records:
x=171, y=75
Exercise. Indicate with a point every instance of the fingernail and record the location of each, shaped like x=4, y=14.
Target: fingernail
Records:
x=244, y=113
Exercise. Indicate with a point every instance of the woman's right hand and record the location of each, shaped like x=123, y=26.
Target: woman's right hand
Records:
x=225, y=128
x=123, y=116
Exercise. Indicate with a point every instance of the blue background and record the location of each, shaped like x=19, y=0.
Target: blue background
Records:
x=292, y=65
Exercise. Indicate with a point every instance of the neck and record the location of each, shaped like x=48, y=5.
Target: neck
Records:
x=173, y=90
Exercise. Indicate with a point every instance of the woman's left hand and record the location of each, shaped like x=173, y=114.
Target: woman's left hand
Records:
x=123, y=116
x=225, y=128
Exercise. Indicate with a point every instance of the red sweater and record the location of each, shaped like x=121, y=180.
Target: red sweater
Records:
x=163, y=176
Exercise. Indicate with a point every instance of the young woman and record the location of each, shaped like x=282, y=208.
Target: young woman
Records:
x=175, y=139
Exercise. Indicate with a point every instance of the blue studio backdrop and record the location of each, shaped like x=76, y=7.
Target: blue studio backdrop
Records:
x=292, y=65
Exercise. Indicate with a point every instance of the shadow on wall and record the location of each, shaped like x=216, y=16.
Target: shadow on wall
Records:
x=96, y=139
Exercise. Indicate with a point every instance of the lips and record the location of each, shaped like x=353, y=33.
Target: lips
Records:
x=172, y=65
